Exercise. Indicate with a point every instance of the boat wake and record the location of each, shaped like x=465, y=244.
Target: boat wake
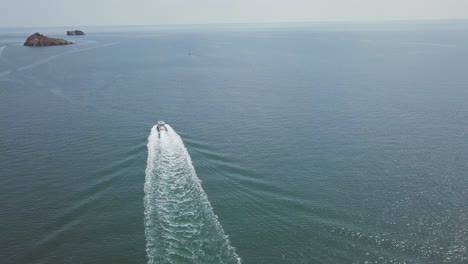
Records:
x=4, y=73
x=53, y=57
x=180, y=225
x=1, y=50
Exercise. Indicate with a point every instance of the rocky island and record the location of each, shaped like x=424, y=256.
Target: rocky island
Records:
x=75, y=33
x=39, y=40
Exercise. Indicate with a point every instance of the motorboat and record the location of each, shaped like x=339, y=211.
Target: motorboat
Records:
x=161, y=126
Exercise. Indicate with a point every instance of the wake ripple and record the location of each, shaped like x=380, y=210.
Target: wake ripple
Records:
x=47, y=60
x=180, y=225
x=1, y=50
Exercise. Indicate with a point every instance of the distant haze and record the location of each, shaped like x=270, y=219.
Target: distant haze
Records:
x=25, y=13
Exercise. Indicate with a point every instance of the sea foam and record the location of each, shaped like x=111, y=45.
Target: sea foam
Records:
x=180, y=224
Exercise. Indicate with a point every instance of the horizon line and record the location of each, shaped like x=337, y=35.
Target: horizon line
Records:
x=257, y=23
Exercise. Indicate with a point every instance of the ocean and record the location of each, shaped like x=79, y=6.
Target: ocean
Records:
x=287, y=143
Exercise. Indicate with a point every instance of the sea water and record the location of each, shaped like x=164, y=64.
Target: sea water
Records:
x=302, y=143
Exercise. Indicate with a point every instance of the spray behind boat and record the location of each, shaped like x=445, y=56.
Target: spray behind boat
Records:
x=180, y=224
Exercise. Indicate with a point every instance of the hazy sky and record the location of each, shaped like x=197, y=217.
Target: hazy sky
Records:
x=18, y=13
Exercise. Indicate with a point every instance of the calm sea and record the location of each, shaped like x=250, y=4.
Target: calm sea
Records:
x=302, y=143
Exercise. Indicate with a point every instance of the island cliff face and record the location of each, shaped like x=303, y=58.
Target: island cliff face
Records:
x=39, y=40
x=75, y=33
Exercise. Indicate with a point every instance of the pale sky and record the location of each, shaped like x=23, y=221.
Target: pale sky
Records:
x=27, y=13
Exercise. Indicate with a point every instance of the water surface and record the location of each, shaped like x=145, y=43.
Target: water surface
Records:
x=314, y=144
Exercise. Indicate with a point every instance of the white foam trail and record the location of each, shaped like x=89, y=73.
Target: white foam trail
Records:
x=180, y=225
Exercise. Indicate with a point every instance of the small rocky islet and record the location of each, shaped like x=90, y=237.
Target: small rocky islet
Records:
x=39, y=40
x=75, y=33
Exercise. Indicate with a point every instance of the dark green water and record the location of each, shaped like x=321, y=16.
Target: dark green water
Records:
x=315, y=144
